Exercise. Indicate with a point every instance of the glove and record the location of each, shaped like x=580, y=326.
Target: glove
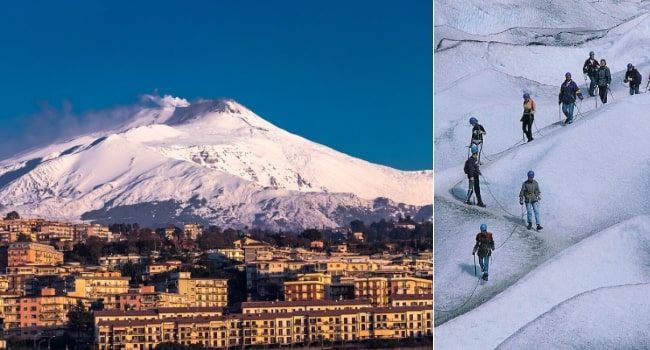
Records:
x=581, y=98
x=521, y=202
x=473, y=253
x=539, y=198
x=559, y=102
x=625, y=81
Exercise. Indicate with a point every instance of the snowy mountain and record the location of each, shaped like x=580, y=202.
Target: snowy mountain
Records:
x=579, y=283
x=211, y=162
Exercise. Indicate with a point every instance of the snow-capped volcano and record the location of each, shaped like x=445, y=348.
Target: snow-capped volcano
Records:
x=212, y=162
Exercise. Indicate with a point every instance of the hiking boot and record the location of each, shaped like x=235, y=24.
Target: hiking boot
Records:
x=480, y=204
x=530, y=225
x=485, y=277
x=539, y=227
x=468, y=202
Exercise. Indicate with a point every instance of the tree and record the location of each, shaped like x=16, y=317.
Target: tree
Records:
x=23, y=238
x=80, y=320
x=312, y=235
x=12, y=215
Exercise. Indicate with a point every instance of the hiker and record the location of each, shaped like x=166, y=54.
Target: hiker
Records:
x=531, y=195
x=472, y=171
x=633, y=77
x=528, y=117
x=567, y=98
x=477, y=135
x=604, y=78
x=484, y=246
x=589, y=69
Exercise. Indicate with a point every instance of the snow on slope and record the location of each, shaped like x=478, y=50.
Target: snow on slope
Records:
x=214, y=156
x=547, y=289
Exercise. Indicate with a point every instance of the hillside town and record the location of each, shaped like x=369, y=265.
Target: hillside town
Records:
x=250, y=294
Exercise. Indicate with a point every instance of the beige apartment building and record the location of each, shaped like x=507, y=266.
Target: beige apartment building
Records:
x=96, y=285
x=202, y=292
x=270, y=329
x=23, y=253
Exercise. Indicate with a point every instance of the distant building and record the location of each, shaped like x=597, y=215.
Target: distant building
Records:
x=22, y=253
x=192, y=230
x=202, y=292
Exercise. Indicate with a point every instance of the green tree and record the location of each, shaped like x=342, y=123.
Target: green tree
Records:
x=312, y=235
x=12, y=215
x=23, y=238
x=80, y=320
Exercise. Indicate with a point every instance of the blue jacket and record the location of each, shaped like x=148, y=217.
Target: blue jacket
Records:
x=633, y=76
x=603, y=77
x=568, y=92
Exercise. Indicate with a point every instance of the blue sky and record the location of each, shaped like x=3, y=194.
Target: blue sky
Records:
x=353, y=75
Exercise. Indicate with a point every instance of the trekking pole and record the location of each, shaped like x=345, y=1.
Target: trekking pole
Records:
x=522, y=214
x=474, y=255
x=610, y=92
x=559, y=112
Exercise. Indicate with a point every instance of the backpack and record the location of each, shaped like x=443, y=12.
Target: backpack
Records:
x=466, y=169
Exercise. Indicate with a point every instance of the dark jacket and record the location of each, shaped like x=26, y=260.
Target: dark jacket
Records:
x=484, y=244
x=603, y=77
x=633, y=76
x=590, y=67
x=477, y=133
x=471, y=167
x=568, y=92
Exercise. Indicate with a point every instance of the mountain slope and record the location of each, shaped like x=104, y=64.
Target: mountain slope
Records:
x=212, y=162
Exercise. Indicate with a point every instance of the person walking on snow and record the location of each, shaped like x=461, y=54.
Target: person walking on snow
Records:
x=477, y=136
x=531, y=195
x=472, y=171
x=484, y=247
x=528, y=117
x=633, y=77
x=604, y=78
x=567, y=98
x=590, y=68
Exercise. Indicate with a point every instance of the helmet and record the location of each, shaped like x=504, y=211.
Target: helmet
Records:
x=629, y=65
x=474, y=149
x=591, y=53
x=531, y=173
x=472, y=120
x=567, y=75
x=483, y=227
x=526, y=95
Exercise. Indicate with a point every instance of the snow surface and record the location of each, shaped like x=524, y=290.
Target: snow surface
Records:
x=582, y=282
x=216, y=160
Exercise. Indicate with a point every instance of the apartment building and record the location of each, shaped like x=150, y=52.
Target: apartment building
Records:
x=202, y=292
x=116, y=261
x=412, y=299
x=22, y=253
x=261, y=307
x=145, y=298
x=370, y=287
x=311, y=286
x=407, y=284
x=45, y=313
x=83, y=231
x=97, y=285
x=61, y=231
x=273, y=329
x=163, y=266
x=192, y=230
